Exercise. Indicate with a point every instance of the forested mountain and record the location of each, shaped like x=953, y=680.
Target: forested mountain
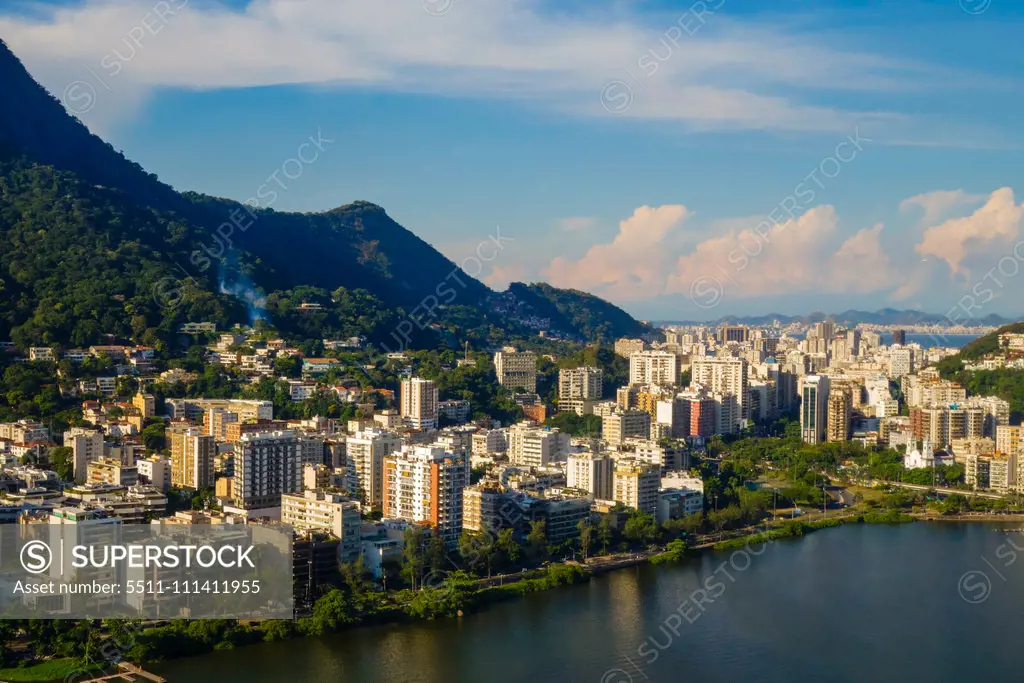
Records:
x=92, y=244
x=1006, y=383
x=579, y=312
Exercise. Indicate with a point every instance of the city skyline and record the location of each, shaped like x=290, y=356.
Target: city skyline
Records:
x=728, y=178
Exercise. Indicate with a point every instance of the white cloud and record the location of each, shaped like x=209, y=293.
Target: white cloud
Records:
x=724, y=75
x=939, y=204
x=797, y=256
x=981, y=236
x=500, y=276
x=575, y=223
x=633, y=265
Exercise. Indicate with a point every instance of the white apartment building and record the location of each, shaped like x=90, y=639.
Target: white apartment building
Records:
x=155, y=471
x=246, y=410
x=728, y=413
x=624, y=424
x=626, y=347
x=636, y=484
x=489, y=441
x=591, y=472
x=579, y=388
x=24, y=431
x=86, y=446
x=111, y=471
x=329, y=512
x=530, y=446
x=425, y=484
x=364, y=462
x=419, y=400
x=192, y=458
x=901, y=361
x=516, y=369
x=654, y=367
x=674, y=414
x=997, y=412
x=668, y=458
x=724, y=376
x=1008, y=439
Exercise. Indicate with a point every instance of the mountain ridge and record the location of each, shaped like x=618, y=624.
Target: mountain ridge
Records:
x=883, y=316
x=73, y=205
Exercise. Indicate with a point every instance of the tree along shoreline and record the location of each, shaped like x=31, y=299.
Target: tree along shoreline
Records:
x=460, y=594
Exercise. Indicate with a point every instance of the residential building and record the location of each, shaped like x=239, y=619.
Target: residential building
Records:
x=267, y=465
x=636, y=484
x=489, y=441
x=364, y=462
x=704, y=416
x=40, y=353
x=314, y=367
x=590, y=472
x=1002, y=473
x=246, y=410
x=668, y=457
x=531, y=446
x=977, y=469
x=579, y=388
x=24, y=431
x=425, y=484
x=678, y=503
x=619, y=426
x=516, y=369
x=561, y=514
x=487, y=508
x=111, y=471
x=192, y=458
x=456, y=412
x=814, y=408
x=1008, y=439
x=155, y=471
x=316, y=476
x=674, y=413
x=733, y=333
x=729, y=417
x=86, y=446
x=901, y=361
x=145, y=404
x=328, y=512
x=627, y=347
x=724, y=376
x=840, y=413
x=654, y=367
x=419, y=400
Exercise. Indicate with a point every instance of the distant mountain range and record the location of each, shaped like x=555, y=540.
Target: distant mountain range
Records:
x=91, y=244
x=885, y=316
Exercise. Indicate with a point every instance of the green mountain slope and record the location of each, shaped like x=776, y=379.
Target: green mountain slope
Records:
x=1007, y=384
x=577, y=312
x=91, y=244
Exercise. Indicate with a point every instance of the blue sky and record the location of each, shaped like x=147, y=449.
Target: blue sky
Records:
x=637, y=150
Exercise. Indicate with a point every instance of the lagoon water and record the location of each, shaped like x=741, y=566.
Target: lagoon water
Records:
x=917, y=602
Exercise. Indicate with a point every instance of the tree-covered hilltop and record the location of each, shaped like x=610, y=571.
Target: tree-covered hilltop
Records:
x=92, y=245
x=1006, y=383
x=977, y=349
x=78, y=261
x=577, y=312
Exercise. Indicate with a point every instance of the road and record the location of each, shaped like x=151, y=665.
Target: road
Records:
x=938, y=489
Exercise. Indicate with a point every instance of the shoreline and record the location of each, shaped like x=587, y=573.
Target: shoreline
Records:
x=501, y=588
